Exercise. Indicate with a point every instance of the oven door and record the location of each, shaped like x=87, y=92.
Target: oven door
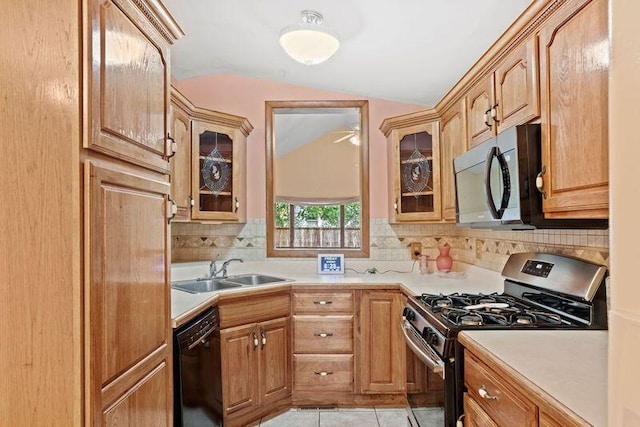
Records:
x=423, y=410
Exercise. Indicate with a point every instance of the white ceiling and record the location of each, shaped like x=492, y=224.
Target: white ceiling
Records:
x=409, y=51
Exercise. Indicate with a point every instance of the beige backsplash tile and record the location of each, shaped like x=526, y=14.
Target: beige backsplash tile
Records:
x=486, y=248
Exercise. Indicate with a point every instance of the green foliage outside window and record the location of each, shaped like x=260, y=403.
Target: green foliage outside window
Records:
x=318, y=216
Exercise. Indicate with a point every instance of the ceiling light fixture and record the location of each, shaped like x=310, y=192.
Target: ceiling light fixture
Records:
x=309, y=42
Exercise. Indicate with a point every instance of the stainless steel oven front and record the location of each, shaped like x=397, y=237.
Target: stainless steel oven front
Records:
x=428, y=345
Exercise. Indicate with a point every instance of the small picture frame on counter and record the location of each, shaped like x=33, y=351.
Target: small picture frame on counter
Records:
x=330, y=263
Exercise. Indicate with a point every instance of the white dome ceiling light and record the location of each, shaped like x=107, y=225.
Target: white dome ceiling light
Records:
x=309, y=42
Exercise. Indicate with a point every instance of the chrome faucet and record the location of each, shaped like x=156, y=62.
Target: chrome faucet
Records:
x=213, y=268
x=226, y=263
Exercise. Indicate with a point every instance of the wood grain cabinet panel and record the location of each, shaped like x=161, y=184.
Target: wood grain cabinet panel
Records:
x=323, y=334
x=453, y=142
x=479, y=101
x=517, y=86
x=382, y=367
x=501, y=402
x=180, y=162
x=239, y=367
x=323, y=302
x=128, y=88
x=574, y=64
x=128, y=312
x=145, y=404
x=323, y=372
x=274, y=360
x=474, y=415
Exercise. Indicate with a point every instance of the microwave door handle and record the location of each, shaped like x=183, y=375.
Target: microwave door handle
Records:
x=506, y=183
x=487, y=183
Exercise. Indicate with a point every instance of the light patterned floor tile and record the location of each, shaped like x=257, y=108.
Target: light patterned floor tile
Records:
x=293, y=418
x=349, y=418
x=391, y=417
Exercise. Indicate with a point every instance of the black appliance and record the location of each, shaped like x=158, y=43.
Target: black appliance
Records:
x=196, y=372
x=541, y=291
x=496, y=184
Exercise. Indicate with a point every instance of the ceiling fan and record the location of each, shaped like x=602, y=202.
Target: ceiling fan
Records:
x=352, y=135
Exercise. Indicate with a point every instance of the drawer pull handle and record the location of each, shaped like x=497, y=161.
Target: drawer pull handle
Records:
x=322, y=302
x=324, y=334
x=482, y=391
x=323, y=373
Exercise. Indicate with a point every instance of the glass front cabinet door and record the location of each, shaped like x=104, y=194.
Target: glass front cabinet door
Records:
x=218, y=172
x=415, y=168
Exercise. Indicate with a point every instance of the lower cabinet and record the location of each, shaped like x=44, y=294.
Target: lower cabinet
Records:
x=255, y=362
x=382, y=357
x=496, y=398
x=145, y=404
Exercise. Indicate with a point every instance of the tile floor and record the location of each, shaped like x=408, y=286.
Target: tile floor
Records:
x=348, y=417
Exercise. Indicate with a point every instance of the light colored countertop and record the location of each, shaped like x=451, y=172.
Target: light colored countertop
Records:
x=569, y=366
x=468, y=278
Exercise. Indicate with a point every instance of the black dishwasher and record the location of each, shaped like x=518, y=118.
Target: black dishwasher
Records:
x=196, y=363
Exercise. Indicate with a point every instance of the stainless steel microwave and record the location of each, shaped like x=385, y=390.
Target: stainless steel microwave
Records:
x=495, y=184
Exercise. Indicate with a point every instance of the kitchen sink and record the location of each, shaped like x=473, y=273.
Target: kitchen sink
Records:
x=200, y=286
x=254, y=279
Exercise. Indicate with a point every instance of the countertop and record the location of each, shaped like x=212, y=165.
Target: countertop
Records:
x=466, y=278
x=569, y=366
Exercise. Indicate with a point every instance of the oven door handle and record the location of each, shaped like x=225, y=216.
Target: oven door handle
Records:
x=421, y=350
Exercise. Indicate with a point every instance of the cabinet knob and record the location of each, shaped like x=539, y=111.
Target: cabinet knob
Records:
x=264, y=337
x=540, y=182
x=395, y=205
x=482, y=391
x=486, y=117
x=323, y=373
x=255, y=340
x=173, y=210
x=237, y=205
x=323, y=334
x=173, y=147
x=322, y=302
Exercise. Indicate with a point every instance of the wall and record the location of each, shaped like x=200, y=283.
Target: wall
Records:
x=245, y=97
x=624, y=151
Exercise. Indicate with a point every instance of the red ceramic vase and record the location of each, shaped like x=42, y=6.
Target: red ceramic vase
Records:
x=444, y=262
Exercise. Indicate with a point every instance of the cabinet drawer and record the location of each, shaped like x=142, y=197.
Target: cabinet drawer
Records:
x=502, y=403
x=250, y=310
x=323, y=334
x=323, y=302
x=323, y=372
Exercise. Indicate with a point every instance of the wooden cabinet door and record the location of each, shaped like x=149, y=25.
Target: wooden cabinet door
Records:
x=181, y=163
x=453, y=142
x=383, y=364
x=128, y=314
x=415, y=373
x=474, y=416
x=274, y=361
x=517, y=86
x=145, y=404
x=128, y=84
x=417, y=173
x=479, y=101
x=239, y=355
x=217, y=152
x=574, y=62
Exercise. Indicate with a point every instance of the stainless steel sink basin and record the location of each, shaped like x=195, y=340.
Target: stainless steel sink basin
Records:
x=200, y=286
x=254, y=279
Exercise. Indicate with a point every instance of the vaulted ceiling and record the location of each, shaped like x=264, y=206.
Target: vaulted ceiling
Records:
x=409, y=51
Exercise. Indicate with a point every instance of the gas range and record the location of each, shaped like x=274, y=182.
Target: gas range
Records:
x=541, y=291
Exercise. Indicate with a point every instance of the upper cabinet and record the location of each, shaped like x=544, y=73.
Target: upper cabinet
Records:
x=506, y=97
x=180, y=161
x=414, y=167
x=128, y=82
x=453, y=142
x=574, y=72
x=208, y=169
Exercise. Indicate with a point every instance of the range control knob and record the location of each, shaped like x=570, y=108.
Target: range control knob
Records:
x=408, y=314
x=430, y=336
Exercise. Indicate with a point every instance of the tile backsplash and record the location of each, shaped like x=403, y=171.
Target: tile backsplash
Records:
x=485, y=248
